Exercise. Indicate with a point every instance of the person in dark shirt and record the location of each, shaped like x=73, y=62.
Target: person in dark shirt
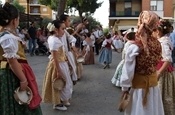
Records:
x=32, y=39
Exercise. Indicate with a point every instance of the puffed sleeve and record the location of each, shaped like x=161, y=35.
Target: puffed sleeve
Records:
x=129, y=67
x=54, y=43
x=104, y=43
x=9, y=45
x=71, y=38
x=166, y=51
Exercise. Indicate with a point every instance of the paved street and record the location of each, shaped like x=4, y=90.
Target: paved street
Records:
x=93, y=94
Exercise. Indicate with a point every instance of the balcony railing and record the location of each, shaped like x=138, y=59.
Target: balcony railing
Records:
x=124, y=14
x=34, y=2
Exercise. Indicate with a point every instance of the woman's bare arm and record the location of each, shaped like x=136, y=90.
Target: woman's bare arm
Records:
x=17, y=69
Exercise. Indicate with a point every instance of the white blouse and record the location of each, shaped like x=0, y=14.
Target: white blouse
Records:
x=91, y=43
x=126, y=45
x=129, y=66
x=167, y=48
x=105, y=42
x=68, y=38
x=54, y=44
x=9, y=44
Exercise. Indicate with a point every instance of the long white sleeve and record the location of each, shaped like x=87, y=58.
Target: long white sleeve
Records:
x=129, y=67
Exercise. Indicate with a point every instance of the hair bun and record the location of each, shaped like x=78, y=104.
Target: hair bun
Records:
x=4, y=17
x=6, y=6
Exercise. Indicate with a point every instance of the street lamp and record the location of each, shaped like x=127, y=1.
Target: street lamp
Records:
x=27, y=13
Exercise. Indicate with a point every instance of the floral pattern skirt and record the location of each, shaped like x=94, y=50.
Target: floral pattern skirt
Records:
x=8, y=105
x=167, y=87
x=117, y=75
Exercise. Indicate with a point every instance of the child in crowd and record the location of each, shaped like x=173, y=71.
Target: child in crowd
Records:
x=105, y=56
x=88, y=50
x=130, y=37
x=57, y=68
x=164, y=68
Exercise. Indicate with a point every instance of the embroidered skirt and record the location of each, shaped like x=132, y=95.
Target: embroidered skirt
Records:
x=8, y=105
x=167, y=87
x=117, y=75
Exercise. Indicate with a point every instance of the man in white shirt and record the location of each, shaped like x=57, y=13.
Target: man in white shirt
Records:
x=98, y=38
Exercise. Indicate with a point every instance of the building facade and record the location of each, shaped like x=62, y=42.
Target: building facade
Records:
x=124, y=13
x=36, y=9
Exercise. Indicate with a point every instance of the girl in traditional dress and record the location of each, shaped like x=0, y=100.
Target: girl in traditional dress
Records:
x=69, y=44
x=14, y=70
x=105, y=56
x=88, y=50
x=165, y=69
x=77, y=54
x=130, y=40
x=57, y=68
x=139, y=76
x=118, y=42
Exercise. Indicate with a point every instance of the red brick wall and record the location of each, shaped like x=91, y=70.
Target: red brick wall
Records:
x=168, y=8
x=145, y=5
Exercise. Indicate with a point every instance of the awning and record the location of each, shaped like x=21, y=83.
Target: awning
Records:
x=130, y=30
x=126, y=27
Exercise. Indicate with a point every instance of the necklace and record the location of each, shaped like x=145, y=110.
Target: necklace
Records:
x=11, y=31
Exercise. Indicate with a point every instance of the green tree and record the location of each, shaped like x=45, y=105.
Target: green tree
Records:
x=106, y=31
x=51, y=3
x=18, y=6
x=92, y=22
x=45, y=21
x=83, y=6
x=57, y=5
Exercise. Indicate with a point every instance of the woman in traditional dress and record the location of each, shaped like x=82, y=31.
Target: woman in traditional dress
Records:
x=130, y=40
x=69, y=44
x=14, y=70
x=118, y=42
x=88, y=53
x=165, y=69
x=139, y=75
x=57, y=68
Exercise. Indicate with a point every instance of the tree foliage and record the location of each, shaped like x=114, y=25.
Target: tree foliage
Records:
x=92, y=22
x=56, y=5
x=45, y=21
x=51, y=3
x=18, y=6
x=83, y=6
